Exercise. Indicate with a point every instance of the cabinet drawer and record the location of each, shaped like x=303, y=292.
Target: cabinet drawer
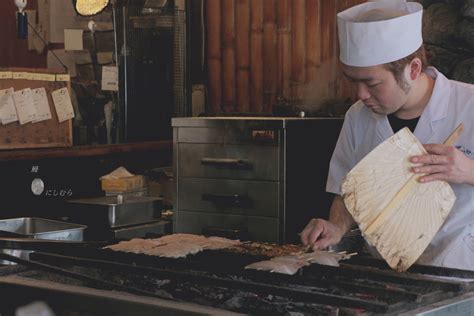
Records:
x=228, y=161
x=230, y=133
x=257, y=228
x=257, y=198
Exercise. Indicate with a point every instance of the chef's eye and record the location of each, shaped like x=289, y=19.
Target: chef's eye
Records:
x=371, y=85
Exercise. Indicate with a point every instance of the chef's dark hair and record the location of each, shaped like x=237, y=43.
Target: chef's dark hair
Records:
x=397, y=67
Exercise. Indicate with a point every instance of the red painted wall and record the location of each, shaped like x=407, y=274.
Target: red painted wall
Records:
x=14, y=52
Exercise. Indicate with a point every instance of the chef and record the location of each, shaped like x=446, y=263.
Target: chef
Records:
x=381, y=51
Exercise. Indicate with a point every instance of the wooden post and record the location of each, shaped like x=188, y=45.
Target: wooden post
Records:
x=256, y=57
x=214, y=61
x=298, y=35
x=313, y=40
x=328, y=29
x=270, y=55
x=283, y=43
x=329, y=59
x=242, y=33
x=228, y=55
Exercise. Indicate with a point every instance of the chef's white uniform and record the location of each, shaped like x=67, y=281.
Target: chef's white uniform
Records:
x=451, y=103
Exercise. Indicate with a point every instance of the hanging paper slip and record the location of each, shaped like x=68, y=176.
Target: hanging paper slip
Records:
x=63, y=105
x=41, y=104
x=109, y=78
x=25, y=106
x=7, y=107
x=6, y=75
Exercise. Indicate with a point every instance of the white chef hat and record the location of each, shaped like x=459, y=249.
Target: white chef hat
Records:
x=393, y=32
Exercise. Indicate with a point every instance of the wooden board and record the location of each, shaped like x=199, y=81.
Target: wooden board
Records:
x=49, y=133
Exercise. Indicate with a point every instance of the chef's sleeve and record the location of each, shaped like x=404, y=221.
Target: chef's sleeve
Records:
x=343, y=157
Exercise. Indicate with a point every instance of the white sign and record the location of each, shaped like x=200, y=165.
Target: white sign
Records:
x=25, y=106
x=63, y=105
x=7, y=107
x=41, y=104
x=109, y=78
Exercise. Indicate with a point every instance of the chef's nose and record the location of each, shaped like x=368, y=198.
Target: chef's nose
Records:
x=363, y=91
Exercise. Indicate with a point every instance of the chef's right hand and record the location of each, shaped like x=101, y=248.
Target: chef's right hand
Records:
x=321, y=234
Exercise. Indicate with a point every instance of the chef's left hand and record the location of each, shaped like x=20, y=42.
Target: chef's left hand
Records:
x=445, y=163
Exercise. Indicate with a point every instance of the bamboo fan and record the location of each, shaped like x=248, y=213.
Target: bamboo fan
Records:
x=397, y=214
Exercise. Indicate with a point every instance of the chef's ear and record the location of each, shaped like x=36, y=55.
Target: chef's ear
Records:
x=415, y=67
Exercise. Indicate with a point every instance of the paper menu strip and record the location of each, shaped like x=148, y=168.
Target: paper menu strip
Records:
x=44, y=77
x=6, y=75
x=40, y=99
x=63, y=77
x=7, y=107
x=22, y=75
x=109, y=78
x=63, y=105
x=25, y=106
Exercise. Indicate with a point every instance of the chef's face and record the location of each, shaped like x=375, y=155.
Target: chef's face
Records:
x=378, y=88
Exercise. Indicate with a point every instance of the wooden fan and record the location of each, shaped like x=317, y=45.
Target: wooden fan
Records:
x=395, y=213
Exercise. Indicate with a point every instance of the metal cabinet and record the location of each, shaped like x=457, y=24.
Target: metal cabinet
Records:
x=260, y=178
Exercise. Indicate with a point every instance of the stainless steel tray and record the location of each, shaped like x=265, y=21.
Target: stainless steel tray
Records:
x=29, y=228
x=40, y=228
x=115, y=211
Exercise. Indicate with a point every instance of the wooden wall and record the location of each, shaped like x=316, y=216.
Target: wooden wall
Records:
x=259, y=51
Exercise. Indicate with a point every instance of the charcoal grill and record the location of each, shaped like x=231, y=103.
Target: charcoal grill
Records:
x=217, y=279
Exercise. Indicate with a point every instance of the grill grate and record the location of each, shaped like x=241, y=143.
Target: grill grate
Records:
x=349, y=289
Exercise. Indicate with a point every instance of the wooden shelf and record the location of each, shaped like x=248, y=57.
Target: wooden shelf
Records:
x=84, y=151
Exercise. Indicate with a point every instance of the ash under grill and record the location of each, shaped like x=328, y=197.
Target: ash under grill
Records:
x=217, y=279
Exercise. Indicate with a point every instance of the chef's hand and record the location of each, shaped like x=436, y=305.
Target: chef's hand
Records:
x=321, y=234
x=445, y=163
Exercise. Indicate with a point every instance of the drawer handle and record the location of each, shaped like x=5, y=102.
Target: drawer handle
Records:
x=227, y=163
x=227, y=199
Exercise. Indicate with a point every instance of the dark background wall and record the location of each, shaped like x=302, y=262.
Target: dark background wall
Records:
x=14, y=52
